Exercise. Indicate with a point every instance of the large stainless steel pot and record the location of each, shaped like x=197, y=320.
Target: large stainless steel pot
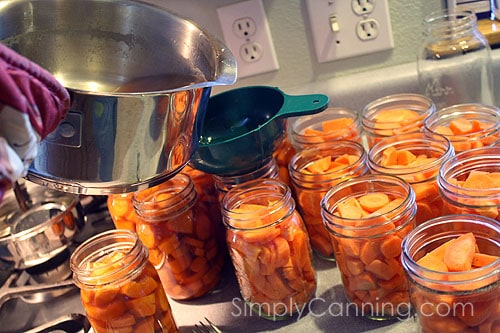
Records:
x=139, y=77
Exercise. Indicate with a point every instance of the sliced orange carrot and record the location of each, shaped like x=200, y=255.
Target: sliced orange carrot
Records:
x=369, y=252
x=282, y=251
x=373, y=201
x=481, y=259
x=389, y=156
x=354, y=267
x=405, y=157
x=479, y=179
x=363, y=281
x=458, y=256
x=350, y=208
x=391, y=246
x=312, y=132
x=444, y=130
x=395, y=115
x=320, y=165
x=336, y=124
x=460, y=126
x=381, y=270
x=433, y=262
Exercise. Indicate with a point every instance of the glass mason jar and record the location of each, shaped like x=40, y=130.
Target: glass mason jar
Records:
x=461, y=301
x=269, y=247
x=120, y=289
x=415, y=157
x=313, y=171
x=334, y=123
x=208, y=194
x=368, y=246
x=395, y=114
x=270, y=169
x=454, y=60
x=121, y=210
x=469, y=183
x=283, y=154
x=176, y=228
x=467, y=126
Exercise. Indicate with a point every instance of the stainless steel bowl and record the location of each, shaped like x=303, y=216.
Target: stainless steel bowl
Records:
x=45, y=229
x=139, y=78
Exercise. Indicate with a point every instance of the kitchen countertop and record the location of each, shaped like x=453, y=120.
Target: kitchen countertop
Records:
x=326, y=313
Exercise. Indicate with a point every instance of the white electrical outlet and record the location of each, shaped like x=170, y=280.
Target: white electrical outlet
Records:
x=343, y=29
x=247, y=34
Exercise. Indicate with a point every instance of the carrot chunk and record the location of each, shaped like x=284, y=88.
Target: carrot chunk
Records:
x=320, y=165
x=458, y=256
x=350, y=208
x=481, y=259
x=373, y=201
x=336, y=124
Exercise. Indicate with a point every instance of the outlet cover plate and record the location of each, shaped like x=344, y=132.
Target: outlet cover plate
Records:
x=344, y=41
x=248, y=36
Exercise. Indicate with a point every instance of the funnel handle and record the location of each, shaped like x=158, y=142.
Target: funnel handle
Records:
x=300, y=105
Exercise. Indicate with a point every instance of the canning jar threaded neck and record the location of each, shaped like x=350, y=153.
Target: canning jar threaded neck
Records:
x=450, y=24
x=111, y=257
x=270, y=199
x=269, y=169
x=436, y=232
x=172, y=197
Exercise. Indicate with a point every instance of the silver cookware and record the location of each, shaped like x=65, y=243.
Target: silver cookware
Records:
x=46, y=228
x=139, y=78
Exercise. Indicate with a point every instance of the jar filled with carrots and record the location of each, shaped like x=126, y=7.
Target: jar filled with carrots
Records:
x=313, y=171
x=181, y=238
x=395, y=114
x=121, y=210
x=467, y=126
x=453, y=268
x=469, y=183
x=334, y=123
x=120, y=289
x=415, y=157
x=269, y=247
x=207, y=193
x=368, y=218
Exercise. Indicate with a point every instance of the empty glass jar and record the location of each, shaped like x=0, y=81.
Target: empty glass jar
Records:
x=454, y=61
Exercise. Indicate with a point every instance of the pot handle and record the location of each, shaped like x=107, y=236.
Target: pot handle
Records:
x=300, y=105
x=225, y=73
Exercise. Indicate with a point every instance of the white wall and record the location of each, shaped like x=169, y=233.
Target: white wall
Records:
x=289, y=25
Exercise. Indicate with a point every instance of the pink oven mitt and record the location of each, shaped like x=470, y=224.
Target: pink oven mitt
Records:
x=32, y=103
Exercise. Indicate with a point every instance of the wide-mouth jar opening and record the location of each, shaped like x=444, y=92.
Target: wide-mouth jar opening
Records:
x=339, y=149
x=420, y=104
x=449, y=22
x=370, y=226
x=111, y=257
x=268, y=169
x=267, y=200
x=456, y=170
x=435, y=147
x=435, y=232
x=486, y=117
x=171, y=198
x=310, y=130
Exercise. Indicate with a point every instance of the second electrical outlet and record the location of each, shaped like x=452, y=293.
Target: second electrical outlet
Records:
x=349, y=28
x=247, y=34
